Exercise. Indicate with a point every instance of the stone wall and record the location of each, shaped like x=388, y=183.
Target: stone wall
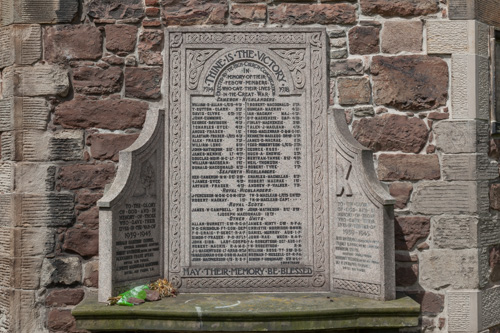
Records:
x=77, y=78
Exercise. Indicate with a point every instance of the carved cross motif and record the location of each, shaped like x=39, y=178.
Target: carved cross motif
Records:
x=343, y=170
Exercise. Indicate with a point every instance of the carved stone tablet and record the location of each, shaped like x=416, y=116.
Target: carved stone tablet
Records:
x=263, y=189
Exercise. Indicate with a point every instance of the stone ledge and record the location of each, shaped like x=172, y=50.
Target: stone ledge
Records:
x=305, y=312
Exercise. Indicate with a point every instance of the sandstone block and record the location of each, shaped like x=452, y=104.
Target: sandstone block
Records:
x=35, y=177
x=248, y=13
x=468, y=167
x=462, y=136
x=470, y=87
x=89, y=176
x=489, y=231
x=35, y=81
x=91, y=274
x=461, y=269
x=64, y=297
x=346, y=67
x=455, y=232
x=150, y=47
x=410, y=82
x=43, y=146
x=402, y=36
x=401, y=192
x=363, y=111
x=403, y=8
x=354, y=91
x=457, y=37
x=495, y=196
x=410, y=229
x=35, y=242
x=106, y=146
x=457, y=197
x=51, y=210
x=494, y=263
x=121, y=38
x=364, y=40
x=37, y=11
x=339, y=13
x=89, y=218
x=436, y=115
x=143, y=82
x=86, y=199
x=6, y=177
x=197, y=12
x=18, y=272
x=116, y=9
x=61, y=270
x=20, y=45
x=82, y=241
x=61, y=321
x=72, y=42
x=391, y=132
x=113, y=114
x=96, y=80
x=408, y=167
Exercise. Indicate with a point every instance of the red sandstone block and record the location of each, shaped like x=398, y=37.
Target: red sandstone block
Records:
x=112, y=113
x=143, y=83
x=152, y=3
x=364, y=40
x=84, y=242
x=403, y=8
x=61, y=321
x=95, y=80
x=89, y=218
x=401, y=192
x=248, y=13
x=195, y=12
x=150, y=47
x=121, y=38
x=408, y=167
x=107, y=146
x=152, y=11
x=406, y=275
x=353, y=90
x=64, y=297
x=339, y=13
x=72, y=42
x=151, y=23
x=88, y=176
x=409, y=229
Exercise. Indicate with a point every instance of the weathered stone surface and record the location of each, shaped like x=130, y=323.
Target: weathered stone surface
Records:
x=406, y=275
x=113, y=114
x=402, y=8
x=35, y=81
x=21, y=45
x=346, y=67
x=194, y=12
x=363, y=111
x=455, y=232
x=143, y=82
x=72, y=42
x=106, y=146
x=410, y=229
x=248, y=13
x=152, y=295
x=468, y=167
x=40, y=11
x=88, y=176
x=91, y=274
x=84, y=242
x=457, y=37
x=462, y=136
x=61, y=321
x=391, y=132
x=435, y=115
x=96, y=80
x=408, y=167
x=410, y=82
x=61, y=270
x=150, y=47
x=89, y=218
x=35, y=178
x=121, y=38
x=86, y=199
x=402, y=36
x=364, y=40
x=462, y=263
x=51, y=210
x=64, y=297
x=116, y=9
x=354, y=91
x=286, y=13
x=401, y=192
x=439, y=197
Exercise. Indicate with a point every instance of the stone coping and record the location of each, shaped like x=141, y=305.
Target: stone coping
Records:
x=283, y=312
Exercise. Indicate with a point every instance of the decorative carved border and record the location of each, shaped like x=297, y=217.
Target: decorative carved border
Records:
x=295, y=61
x=255, y=283
x=356, y=286
x=244, y=38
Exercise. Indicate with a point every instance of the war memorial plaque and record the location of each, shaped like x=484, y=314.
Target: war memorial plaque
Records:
x=261, y=188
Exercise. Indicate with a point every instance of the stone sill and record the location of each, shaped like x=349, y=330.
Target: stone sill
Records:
x=283, y=312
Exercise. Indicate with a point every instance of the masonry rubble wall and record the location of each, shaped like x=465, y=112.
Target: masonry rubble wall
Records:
x=412, y=76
